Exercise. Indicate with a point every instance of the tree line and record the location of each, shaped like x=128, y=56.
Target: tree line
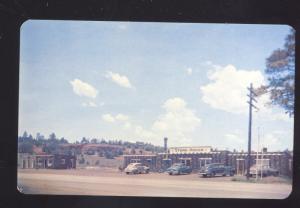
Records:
x=51, y=144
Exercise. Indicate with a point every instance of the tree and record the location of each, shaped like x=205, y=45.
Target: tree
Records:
x=25, y=134
x=94, y=141
x=52, y=137
x=63, y=141
x=132, y=151
x=280, y=71
x=84, y=141
x=26, y=147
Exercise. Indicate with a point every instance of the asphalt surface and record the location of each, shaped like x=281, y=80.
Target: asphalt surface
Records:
x=113, y=183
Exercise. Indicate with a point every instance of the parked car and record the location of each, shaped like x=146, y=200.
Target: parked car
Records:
x=136, y=168
x=179, y=169
x=214, y=169
x=263, y=170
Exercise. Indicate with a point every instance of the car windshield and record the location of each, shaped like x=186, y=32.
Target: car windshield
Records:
x=177, y=164
x=209, y=166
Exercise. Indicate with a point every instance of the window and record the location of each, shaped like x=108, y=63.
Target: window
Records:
x=50, y=162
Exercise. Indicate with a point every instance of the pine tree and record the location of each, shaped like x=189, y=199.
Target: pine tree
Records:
x=280, y=71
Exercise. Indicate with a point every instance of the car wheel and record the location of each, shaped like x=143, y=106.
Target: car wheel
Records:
x=275, y=174
x=231, y=174
x=170, y=173
x=204, y=175
x=127, y=173
x=213, y=174
x=147, y=171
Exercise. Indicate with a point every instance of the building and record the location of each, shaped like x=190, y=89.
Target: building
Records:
x=281, y=161
x=197, y=157
x=46, y=161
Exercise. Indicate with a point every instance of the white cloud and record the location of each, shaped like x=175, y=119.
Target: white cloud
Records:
x=108, y=118
x=189, y=71
x=121, y=117
x=228, y=91
x=145, y=134
x=121, y=80
x=271, y=141
x=233, y=139
x=177, y=121
x=83, y=89
x=127, y=125
x=89, y=104
x=228, y=88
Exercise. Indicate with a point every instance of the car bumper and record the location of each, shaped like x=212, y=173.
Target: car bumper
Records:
x=203, y=173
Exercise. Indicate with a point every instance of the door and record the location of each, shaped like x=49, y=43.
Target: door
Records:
x=221, y=169
x=240, y=166
x=186, y=161
x=204, y=161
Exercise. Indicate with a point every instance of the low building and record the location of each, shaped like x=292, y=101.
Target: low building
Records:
x=46, y=161
x=196, y=157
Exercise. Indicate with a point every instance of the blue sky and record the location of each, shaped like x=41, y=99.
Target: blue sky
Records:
x=146, y=81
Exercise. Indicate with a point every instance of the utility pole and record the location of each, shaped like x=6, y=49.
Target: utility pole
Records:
x=250, y=102
x=256, y=165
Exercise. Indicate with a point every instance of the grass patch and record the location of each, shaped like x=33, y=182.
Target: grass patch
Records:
x=269, y=179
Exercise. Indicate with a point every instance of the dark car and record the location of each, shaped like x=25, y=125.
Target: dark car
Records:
x=214, y=169
x=179, y=169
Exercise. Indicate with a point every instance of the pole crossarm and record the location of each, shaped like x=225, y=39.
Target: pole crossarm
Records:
x=253, y=105
x=251, y=91
x=252, y=98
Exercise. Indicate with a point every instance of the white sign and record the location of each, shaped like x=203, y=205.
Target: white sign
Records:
x=189, y=150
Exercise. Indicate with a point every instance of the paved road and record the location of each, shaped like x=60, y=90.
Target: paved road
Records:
x=159, y=185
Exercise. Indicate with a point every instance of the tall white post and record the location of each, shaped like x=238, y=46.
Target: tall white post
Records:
x=261, y=166
x=257, y=153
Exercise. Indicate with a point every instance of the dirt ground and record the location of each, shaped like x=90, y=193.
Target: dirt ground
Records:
x=114, y=183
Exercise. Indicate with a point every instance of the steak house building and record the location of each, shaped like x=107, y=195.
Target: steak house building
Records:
x=196, y=157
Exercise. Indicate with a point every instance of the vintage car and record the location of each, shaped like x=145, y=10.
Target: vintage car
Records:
x=264, y=170
x=136, y=168
x=214, y=169
x=179, y=169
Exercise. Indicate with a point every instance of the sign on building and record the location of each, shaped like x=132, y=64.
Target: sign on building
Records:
x=189, y=150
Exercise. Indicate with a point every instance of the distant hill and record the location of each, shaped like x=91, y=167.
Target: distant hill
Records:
x=103, y=148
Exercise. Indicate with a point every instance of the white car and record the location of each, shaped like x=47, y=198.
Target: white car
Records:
x=136, y=168
x=264, y=171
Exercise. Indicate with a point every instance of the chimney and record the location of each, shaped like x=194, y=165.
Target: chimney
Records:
x=165, y=144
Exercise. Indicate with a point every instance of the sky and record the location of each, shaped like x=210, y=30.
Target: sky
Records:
x=146, y=81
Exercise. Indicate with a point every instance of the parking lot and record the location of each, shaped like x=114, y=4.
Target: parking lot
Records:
x=113, y=182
